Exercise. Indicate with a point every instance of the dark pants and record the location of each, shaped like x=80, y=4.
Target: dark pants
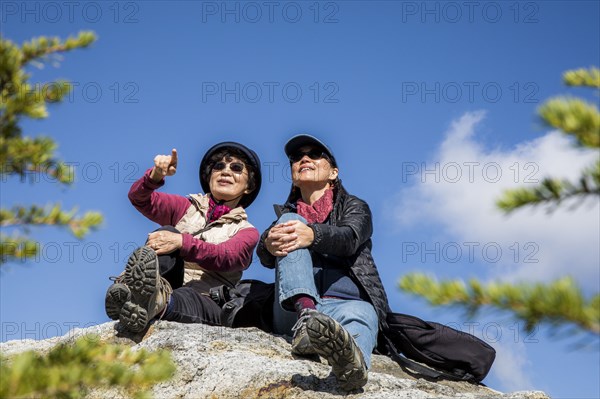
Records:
x=190, y=303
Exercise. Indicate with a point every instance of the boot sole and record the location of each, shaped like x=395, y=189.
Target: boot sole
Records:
x=141, y=276
x=116, y=296
x=332, y=342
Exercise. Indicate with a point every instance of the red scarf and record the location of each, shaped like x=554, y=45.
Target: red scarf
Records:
x=319, y=211
x=215, y=210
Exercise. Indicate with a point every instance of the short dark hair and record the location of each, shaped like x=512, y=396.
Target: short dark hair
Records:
x=228, y=153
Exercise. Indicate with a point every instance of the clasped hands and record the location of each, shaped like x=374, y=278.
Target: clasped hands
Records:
x=286, y=237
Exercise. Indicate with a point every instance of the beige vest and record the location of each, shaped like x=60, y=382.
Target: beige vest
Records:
x=222, y=229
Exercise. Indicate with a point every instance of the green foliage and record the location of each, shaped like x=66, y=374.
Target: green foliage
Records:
x=19, y=98
x=68, y=371
x=552, y=191
x=558, y=303
x=583, y=77
x=17, y=248
x=576, y=118
x=22, y=155
x=50, y=216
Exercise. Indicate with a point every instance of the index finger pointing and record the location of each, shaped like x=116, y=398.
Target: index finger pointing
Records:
x=174, y=155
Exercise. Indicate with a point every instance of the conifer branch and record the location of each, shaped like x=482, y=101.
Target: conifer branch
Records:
x=574, y=117
x=43, y=46
x=552, y=191
x=70, y=371
x=25, y=156
x=20, y=216
x=17, y=248
x=583, y=77
x=556, y=303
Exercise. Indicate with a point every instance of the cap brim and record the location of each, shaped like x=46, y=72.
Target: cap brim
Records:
x=301, y=140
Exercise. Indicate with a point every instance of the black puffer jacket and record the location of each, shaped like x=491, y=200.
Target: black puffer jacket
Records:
x=344, y=238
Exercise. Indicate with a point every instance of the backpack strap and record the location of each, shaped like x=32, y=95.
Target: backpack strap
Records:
x=424, y=370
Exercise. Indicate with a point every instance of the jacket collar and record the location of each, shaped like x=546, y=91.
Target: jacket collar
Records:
x=290, y=203
x=201, y=201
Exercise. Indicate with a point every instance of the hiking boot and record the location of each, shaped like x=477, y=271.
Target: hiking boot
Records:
x=116, y=296
x=150, y=293
x=331, y=341
x=301, y=345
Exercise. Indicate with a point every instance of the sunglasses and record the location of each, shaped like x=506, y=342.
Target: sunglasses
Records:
x=235, y=167
x=313, y=154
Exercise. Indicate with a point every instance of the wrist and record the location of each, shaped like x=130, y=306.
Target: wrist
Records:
x=155, y=175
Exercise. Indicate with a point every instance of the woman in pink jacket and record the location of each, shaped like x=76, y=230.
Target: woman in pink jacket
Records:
x=205, y=240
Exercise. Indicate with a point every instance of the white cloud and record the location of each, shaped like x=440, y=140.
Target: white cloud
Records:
x=457, y=190
x=510, y=367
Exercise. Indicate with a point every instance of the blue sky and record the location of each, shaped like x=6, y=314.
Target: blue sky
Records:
x=428, y=106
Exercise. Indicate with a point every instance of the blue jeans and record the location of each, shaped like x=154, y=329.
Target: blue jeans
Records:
x=294, y=276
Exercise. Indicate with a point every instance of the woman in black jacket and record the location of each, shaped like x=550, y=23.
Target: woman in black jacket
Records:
x=321, y=249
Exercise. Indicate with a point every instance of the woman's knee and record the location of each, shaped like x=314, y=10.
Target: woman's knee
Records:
x=358, y=311
x=286, y=217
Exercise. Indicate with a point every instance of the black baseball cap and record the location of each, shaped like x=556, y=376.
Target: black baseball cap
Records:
x=301, y=140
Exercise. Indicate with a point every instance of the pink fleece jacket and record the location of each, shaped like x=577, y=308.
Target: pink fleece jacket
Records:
x=234, y=254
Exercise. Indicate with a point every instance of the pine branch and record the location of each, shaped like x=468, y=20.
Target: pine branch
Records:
x=24, y=155
x=70, y=371
x=552, y=191
x=557, y=303
x=574, y=117
x=17, y=248
x=583, y=77
x=50, y=216
x=22, y=99
x=44, y=46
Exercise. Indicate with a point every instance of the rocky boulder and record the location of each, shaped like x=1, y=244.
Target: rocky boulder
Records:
x=223, y=363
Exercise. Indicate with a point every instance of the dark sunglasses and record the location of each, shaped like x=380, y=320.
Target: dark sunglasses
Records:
x=235, y=167
x=313, y=154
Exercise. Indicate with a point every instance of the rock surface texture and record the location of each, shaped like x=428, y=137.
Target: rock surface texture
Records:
x=224, y=363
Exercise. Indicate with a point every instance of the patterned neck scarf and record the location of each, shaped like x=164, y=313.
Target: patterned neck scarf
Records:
x=216, y=210
x=319, y=211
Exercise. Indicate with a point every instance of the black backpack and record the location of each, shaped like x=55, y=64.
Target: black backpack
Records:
x=452, y=354
x=249, y=304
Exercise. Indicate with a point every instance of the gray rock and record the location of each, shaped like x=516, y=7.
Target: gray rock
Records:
x=224, y=363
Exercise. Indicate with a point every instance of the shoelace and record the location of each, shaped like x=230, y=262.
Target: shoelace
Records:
x=163, y=286
x=304, y=316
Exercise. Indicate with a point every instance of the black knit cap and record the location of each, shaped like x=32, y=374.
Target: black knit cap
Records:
x=254, y=163
x=301, y=140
